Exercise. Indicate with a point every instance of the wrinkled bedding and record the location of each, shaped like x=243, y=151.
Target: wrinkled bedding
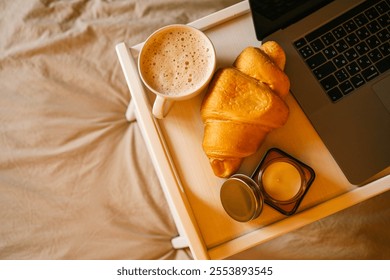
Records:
x=76, y=181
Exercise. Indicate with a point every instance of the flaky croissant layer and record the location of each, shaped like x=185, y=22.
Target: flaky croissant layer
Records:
x=242, y=105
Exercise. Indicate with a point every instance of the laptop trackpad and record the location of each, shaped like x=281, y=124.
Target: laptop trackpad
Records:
x=381, y=89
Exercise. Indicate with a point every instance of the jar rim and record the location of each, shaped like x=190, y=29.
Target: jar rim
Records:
x=297, y=195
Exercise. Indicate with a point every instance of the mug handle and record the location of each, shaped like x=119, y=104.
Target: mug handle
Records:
x=161, y=107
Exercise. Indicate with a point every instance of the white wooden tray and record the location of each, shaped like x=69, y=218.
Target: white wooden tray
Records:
x=192, y=190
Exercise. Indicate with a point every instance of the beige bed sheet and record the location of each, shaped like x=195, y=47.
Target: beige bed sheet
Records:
x=76, y=181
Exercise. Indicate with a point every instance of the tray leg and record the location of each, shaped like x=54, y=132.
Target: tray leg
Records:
x=130, y=113
x=179, y=242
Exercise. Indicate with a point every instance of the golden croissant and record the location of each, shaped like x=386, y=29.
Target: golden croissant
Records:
x=242, y=105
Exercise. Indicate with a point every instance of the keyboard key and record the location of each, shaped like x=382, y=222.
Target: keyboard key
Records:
x=357, y=81
x=362, y=48
x=364, y=62
x=346, y=87
x=363, y=33
x=375, y=55
x=383, y=35
x=370, y=73
x=341, y=75
x=371, y=13
x=373, y=42
x=384, y=20
x=360, y=20
x=335, y=94
x=328, y=38
x=385, y=49
x=316, y=60
x=353, y=68
x=329, y=82
x=306, y=51
x=351, y=54
x=340, y=61
x=317, y=45
x=382, y=7
x=373, y=27
x=300, y=43
x=352, y=39
x=324, y=70
x=383, y=65
x=330, y=52
x=339, y=32
x=341, y=46
x=350, y=26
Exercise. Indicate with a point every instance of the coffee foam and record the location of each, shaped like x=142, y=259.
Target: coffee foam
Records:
x=177, y=61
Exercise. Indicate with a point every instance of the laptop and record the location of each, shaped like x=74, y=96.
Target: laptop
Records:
x=338, y=62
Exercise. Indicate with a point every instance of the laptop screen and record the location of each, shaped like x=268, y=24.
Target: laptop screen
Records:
x=272, y=15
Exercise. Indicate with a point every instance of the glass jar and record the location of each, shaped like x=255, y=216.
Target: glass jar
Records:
x=280, y=180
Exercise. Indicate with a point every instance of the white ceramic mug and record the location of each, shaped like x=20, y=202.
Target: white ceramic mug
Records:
x=176, y=63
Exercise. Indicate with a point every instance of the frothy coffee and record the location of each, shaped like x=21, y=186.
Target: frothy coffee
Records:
x=177, y=61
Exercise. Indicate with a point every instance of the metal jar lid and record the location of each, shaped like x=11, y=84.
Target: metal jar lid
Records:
x=241, y=198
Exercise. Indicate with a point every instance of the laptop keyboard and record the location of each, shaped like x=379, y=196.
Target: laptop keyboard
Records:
x=350, y=50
